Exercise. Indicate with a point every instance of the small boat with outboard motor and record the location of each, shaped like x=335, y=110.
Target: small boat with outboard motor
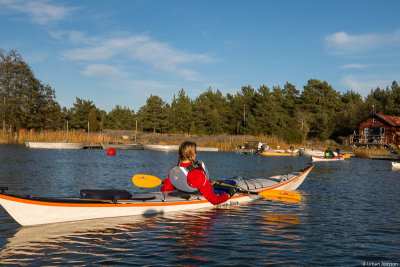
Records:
x=278, y=152
x=251, y=148
x=94, y=204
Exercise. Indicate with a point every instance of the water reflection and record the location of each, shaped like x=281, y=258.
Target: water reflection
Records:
x=282, y=219
x=29, y=242
x=96, y=239
x=279, y=229
x=348, y=214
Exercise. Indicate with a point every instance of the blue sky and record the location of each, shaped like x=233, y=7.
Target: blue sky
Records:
x=120, y=52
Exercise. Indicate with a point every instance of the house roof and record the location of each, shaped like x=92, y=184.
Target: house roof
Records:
x=392, y=120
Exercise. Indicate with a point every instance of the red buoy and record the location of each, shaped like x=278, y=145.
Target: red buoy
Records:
x=111, y=152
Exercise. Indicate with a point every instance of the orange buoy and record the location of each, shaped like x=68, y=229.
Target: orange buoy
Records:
x=111, y=152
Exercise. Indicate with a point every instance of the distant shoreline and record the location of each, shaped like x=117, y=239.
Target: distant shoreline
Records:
x=223, y=142
x=227, y=143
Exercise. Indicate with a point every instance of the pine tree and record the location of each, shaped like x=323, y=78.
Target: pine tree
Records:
x=153, y=114
x=182, y=109
x=79, y=113
x=120, y=119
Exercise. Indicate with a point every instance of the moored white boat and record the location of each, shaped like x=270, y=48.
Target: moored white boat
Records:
x=161, y=147
x=28, y=210
x=175, y=148
x=55, y=145
x=310, y=152
x=396, y=164
x=317, y=158
x=207, y=148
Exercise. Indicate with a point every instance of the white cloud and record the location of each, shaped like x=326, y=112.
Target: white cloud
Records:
x=146, y=86
x=344, y=43
x=364, y=84
x=37, y=57
x=102, y=70
x=158, y=55
x=107, y=49
x=73, y=37
x=40, y=12
x=354, y=66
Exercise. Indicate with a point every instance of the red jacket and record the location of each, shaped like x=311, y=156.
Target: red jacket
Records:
x=198, y=179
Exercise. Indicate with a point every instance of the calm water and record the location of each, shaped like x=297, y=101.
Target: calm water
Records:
x=349, y=215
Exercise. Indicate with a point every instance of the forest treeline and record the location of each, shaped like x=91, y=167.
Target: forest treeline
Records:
x=317, y=111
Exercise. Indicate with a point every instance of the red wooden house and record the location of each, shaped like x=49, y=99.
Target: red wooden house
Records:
x=378, y=129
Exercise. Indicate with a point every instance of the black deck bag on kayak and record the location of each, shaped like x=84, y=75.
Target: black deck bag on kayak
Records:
x=219, y=188
x=109, y=194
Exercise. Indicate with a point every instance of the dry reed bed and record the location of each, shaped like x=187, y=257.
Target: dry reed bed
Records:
x=365, y=152
x=223, y=142
x=74, y=136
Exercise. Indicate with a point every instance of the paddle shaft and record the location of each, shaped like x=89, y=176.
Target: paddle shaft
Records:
x=248, y=192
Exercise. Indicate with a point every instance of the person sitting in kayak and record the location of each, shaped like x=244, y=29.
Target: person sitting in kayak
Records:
x=329, y=153
x=190, y=176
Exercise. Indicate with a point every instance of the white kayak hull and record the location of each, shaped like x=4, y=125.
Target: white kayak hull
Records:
x=34, y=211
x=316, y=158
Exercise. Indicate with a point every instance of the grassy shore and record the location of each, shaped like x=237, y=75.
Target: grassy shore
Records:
x=223, y=142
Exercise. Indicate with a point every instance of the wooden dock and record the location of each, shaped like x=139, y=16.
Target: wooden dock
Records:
x=93, y=146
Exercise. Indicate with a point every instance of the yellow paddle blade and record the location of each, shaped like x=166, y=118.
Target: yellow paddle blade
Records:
x=145, y=180
x=281, y=195
x=345, y=156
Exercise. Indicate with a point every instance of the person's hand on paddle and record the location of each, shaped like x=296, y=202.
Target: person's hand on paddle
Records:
x=231, y=192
